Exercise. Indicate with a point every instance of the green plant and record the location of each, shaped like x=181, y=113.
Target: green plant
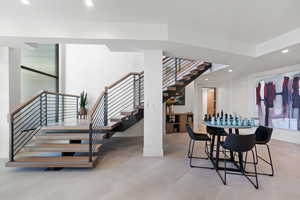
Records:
x=83, y=99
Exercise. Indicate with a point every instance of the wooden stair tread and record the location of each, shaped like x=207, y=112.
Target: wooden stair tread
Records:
x=118, y=118
x=63, y=136
x=129, y=113
x=52, y=161
x=68, y=125
x=54, y=147
x=111, y=125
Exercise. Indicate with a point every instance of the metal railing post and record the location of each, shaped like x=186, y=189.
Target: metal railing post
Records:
x=63, y=108
x=139, y=89
x=41, y=110
x=106, y=107
x=175, y=74
x=134, y=91
x=77, y=111
x=46, y=108
x=11, y=153
x=57, y=108
x=90, y=142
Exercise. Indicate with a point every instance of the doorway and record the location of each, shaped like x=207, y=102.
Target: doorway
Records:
x=209, y=101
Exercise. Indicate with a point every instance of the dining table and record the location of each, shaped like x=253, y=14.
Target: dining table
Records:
x=216, y=138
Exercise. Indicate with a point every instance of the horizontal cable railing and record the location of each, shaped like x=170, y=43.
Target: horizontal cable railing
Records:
x=41, y=110
x=175, y=69
x=126, y=94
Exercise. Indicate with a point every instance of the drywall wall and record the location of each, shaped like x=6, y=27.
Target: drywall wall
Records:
x=4, y=101
x=238, y=95
x=10, y=92
x=92, y=67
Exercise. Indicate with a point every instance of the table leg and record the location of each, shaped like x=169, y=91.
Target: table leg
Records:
x=218, y=151
x=212, y=147
x=240, y=154
x=231, y=153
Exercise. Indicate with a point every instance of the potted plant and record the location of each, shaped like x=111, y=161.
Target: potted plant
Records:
x=83, y=103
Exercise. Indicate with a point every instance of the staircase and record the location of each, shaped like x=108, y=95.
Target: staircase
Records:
x=46, y=131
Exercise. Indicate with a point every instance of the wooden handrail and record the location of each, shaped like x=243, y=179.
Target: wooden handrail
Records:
x=94, y=108
x=23, y=105
x=62, y=94
x=122, y=79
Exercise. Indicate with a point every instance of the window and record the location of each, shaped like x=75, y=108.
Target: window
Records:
x=39, y=70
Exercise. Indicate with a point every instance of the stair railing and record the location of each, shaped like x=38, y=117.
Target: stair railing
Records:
x=125, y=94
x=41, y=110
x=175, y=68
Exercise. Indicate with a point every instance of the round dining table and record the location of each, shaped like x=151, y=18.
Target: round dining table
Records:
x=215, y=160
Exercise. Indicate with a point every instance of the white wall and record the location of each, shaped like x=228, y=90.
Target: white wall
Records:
x=92, y=67
x=4, y=101
x=238, y=95
x=10, y=92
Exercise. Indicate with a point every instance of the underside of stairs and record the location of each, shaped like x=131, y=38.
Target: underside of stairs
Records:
x=53, y=140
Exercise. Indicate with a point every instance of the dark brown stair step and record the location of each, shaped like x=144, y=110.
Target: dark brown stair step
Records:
x=179, y=83
x=186, y=77
x=52, y=147
x=52, y=161
x=118, y=118
x=172, y=88
x=129, y=113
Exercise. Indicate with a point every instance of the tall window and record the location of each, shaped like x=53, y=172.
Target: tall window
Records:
x=39, y=70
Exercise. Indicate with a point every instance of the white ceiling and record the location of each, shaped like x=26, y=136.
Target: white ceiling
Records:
x=248, y=21
x=231, y=32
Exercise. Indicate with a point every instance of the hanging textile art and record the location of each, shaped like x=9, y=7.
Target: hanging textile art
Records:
x=278, y=101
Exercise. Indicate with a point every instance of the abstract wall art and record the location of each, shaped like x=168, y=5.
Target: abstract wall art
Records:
x=278, y=101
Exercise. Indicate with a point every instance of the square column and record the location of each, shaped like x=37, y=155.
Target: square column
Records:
x=153, y=104
x=198, y=105
x=10, y=92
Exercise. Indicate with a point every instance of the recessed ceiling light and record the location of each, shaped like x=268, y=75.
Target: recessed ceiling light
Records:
x=230, y=70
x=206, y=79
x=89, y=3
x=285, y=51
x=25, y=2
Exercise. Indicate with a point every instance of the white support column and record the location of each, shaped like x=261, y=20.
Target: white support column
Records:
x=14, y=77
x=197, y=105
x=4, y=101
x=10, y=92
x=153, y=105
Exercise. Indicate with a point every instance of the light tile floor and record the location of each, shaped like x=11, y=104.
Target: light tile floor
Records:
x=123, y=173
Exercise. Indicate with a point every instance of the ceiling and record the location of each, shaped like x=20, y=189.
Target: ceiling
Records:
x=227, y=32
x=248, y=21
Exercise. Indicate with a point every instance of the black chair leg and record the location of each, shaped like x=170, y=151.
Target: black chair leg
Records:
x=189, y=150
x=270, y=162
x=252, y=174
x=191, y=154
x=255, y=172
x=191, y=158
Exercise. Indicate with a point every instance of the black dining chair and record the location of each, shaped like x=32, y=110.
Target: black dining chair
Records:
x=263, y=136
x=213, y=132
x=199, y=137
x=240, y=144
